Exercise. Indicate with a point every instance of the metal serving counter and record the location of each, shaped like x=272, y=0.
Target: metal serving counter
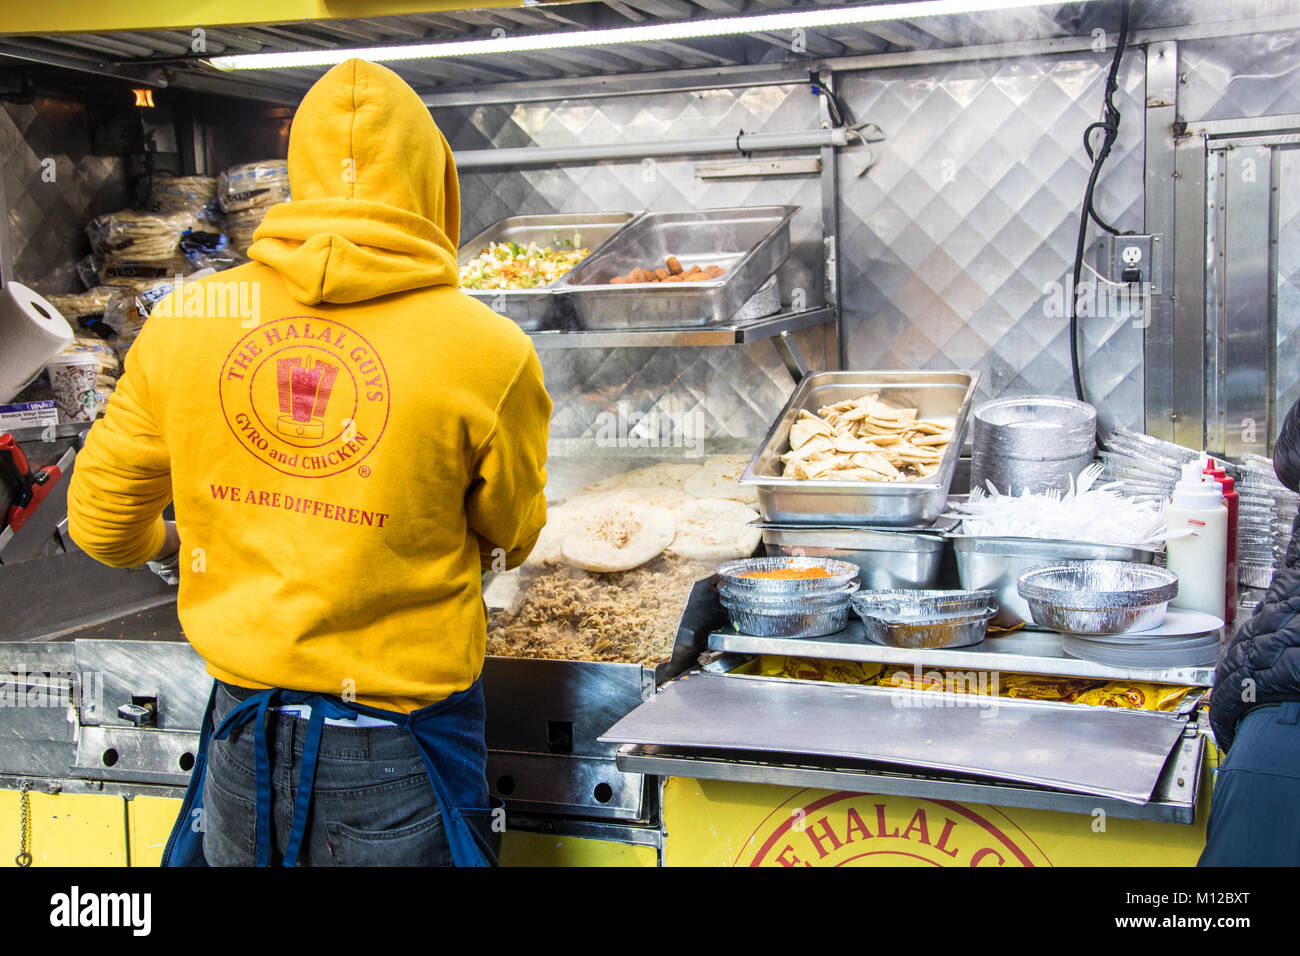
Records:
x=715, y=723
x=1022, y=652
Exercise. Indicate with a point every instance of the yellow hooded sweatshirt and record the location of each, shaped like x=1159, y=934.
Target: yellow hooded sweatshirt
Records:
x=348, y=439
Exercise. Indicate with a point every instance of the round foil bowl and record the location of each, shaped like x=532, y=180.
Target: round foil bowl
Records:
x=911, y=605
x=789, y=622
x=1098, y=597
x=960, y=630
x=839, y=574
x=784, y=602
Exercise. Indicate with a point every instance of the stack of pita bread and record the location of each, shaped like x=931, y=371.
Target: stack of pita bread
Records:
x=866, y=439
x=695, y=511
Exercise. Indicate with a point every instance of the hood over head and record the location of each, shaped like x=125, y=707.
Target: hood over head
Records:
x=376, y=202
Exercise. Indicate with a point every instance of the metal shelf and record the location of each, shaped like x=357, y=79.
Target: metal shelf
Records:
x=1025, y=652
x=705, y=335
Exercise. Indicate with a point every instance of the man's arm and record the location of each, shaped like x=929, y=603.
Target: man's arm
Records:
x=122, y=480
x=506, y=502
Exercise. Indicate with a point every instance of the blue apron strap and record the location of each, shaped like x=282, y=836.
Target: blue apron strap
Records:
x=306, y=781
x=185, y=842
x=255, y=708
x=449, y=735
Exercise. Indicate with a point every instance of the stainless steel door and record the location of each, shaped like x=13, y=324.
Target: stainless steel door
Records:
x=1252, y=290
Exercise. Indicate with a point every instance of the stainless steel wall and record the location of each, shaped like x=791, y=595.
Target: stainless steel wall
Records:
x=1230, y=77
x=952, y=241
x=43, y=232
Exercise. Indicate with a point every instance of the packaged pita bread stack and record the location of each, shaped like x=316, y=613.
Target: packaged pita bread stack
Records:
x=257, y=185
x=82, y=305
x=132, y=235
x=190, y=194
x=245, y=193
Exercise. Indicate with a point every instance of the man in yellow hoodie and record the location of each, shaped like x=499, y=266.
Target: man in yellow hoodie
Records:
x=349, y=441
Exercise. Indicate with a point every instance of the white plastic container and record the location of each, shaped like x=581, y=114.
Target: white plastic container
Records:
x=1200, y=559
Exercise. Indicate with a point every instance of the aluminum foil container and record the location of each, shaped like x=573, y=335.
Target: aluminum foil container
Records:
x=953, y=631
x=840, y=574
x=1098, y=597
x=915, y=606
x=997, y=563
x=792, y=622
x=760, y=601
x=1034, y=443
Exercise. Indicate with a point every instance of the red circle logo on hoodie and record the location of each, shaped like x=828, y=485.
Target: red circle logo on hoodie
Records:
x=305, y=395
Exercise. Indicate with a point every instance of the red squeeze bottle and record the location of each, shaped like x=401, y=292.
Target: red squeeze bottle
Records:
x=1233, y=502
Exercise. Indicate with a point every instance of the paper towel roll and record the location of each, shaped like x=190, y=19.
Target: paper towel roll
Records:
x=31, y=333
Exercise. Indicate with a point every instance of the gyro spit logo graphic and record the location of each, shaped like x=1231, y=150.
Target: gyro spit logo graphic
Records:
x=816, y=828
x=306, y=396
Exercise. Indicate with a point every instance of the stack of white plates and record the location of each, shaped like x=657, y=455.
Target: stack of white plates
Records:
x=1185, y=639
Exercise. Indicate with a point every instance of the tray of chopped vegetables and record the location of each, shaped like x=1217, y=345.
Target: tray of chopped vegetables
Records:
x=514, y=264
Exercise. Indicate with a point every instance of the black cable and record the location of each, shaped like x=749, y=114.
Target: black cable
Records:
x=1112, y=115
x=1110, y=126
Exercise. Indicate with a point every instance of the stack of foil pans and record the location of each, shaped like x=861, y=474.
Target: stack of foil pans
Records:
x=1034, y=443
x=1098, y=597
x=787, y=607
x=1266, y=510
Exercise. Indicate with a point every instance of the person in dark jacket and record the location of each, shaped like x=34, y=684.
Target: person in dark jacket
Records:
x=1255, y=712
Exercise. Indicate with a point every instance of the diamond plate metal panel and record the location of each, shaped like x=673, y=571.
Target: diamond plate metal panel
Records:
x=735, y=392
x=951, y=243
x=1287, y=387
x=1246, y=76
x=46, y=218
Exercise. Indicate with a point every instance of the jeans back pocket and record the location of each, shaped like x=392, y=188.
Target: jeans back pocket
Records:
x=422, y=843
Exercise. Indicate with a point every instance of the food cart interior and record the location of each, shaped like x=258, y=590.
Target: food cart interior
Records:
x=893, y=209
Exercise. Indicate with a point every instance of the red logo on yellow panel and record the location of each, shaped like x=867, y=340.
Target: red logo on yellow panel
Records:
x=306, y=396
x=815, y=828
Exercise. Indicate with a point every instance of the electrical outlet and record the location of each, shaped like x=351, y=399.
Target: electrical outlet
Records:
x=1130, y=260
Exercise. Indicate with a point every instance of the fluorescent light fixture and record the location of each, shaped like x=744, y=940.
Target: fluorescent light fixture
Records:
x=650, y=33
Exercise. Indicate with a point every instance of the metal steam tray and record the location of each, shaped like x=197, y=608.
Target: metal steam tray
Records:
x=943, y=397
x=540, y=308
x=750, y=243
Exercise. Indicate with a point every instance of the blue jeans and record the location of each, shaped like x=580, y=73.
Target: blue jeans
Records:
x=373, y=804
x=1255, y=810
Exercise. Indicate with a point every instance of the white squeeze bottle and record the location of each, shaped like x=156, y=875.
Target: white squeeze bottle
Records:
x=1200, y=559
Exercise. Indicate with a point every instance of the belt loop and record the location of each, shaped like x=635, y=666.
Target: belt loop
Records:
x=1290, y=713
